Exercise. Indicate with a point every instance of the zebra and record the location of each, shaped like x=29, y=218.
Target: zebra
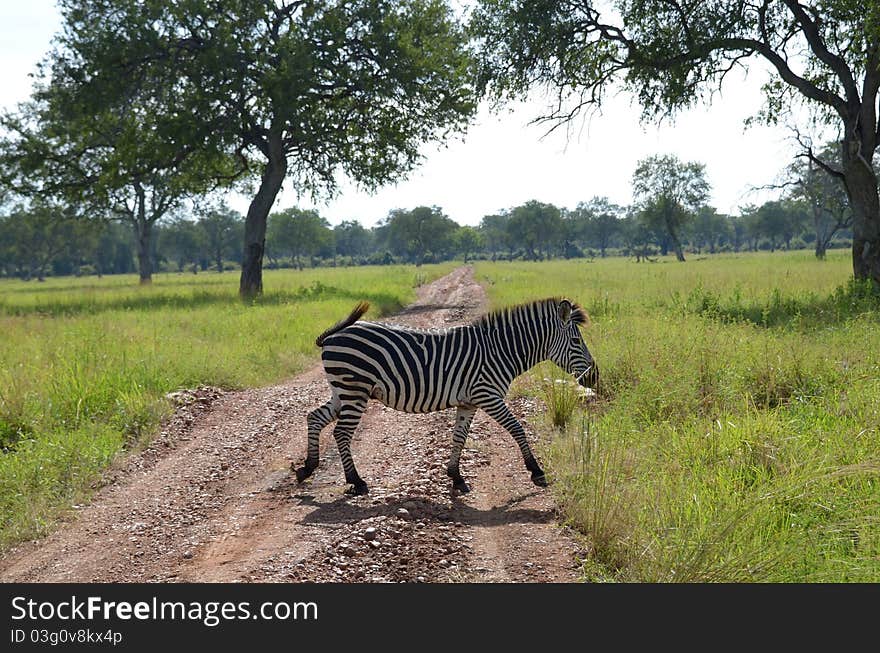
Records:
x=467, y=367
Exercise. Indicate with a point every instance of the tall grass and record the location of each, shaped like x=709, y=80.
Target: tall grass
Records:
x=736, y=432
x=85, y=364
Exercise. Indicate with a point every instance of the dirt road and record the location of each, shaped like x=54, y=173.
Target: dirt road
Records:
x=213, y=498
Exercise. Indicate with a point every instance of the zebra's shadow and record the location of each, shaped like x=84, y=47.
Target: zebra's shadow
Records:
x=344, y=510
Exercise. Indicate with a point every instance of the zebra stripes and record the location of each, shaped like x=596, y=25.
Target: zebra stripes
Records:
x=467, y=367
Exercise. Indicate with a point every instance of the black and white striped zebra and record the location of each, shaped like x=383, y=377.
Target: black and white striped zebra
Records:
x=466, y=367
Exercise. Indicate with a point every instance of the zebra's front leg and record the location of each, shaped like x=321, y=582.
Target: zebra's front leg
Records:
x=463, y=418
x=316, y=420
x=498, y=410
x=349, y=417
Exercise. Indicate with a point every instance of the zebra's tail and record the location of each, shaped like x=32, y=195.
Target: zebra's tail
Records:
x=353, y=317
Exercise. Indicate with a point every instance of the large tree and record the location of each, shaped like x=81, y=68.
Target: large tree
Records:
x=33, y=238
x=668, y=192
x=536, y=226
x=104, y=137
x=303, y=90
x=421, y=231
x=673, y=53
x=467, y=241
x=496, y=235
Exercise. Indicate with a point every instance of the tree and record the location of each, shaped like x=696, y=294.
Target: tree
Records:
x=352, y=239
x=104, y=138
x=536, y=226
x=467, y=240
x=495, y=234
x=636, y=237
x=182, y=242
x=34, y=237
x=222, y=230
x=778, y=221
x=668, y=192
x=113, y=253
x=423, y=230
x=671, y=53
x=297, y=233
x=824, y=196
x=709, y=228
x=300, y=89
x=602, y=224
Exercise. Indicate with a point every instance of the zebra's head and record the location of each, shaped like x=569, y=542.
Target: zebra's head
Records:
x=567, y=347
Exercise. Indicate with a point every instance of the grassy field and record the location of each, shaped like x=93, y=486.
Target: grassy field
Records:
x=736, y=435
x=85, y=364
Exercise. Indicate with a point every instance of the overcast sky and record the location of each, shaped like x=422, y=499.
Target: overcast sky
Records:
x=503, y=161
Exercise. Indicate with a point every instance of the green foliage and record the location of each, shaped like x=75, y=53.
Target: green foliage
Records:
x=536, y=227
x=222, y=230
x=352, y=239
x=298, y=233
x=668, y=192
x=419, y=232
x=467, y=240
x=736, y=432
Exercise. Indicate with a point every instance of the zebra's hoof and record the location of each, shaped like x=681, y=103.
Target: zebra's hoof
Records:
x=540, y=480
x=461, y=487
x=358, y=489
x=302, y=473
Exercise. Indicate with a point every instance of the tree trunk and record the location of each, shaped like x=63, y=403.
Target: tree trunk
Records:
x=143, y=232
x=143, y=229
x=860, y=181
x=676, y=243
x=823, y=236
x=251, y=283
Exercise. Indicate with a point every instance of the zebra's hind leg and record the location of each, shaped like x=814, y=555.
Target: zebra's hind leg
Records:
x=317, y=420
x=463, y=418
x=349, y=417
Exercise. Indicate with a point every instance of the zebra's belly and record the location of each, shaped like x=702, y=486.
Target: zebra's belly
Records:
x=412, y=404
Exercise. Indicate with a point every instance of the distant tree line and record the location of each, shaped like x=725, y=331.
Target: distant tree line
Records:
x=142, y=108
x=669, y=215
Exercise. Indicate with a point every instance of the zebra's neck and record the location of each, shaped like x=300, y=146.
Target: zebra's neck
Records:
x=516, y=339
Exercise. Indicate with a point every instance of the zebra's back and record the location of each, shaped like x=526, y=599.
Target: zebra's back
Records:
x=406, y=369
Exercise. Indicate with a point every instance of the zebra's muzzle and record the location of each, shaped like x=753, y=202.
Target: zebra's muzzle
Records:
x=589, y=378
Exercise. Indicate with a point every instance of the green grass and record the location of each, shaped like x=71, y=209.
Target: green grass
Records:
x=85, y=364
x=736, y=434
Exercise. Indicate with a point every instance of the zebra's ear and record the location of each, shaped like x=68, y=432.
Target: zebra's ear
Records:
x=565, y=312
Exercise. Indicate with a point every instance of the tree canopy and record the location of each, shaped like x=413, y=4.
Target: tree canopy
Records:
x=668, y=192
x=252, y=90
x=312, y=90
x=671, y=54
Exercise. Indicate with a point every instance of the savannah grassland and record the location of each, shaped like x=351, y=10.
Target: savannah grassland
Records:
x=85, y=364
x=736, y=432
x=735, y=436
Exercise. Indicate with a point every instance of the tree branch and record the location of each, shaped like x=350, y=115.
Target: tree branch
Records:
x=837, y=64
x=805, y=86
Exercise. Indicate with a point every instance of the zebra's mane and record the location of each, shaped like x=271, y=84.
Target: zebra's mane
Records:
x=578, y=314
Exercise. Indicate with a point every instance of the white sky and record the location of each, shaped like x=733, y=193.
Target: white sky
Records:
x=503, y=161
